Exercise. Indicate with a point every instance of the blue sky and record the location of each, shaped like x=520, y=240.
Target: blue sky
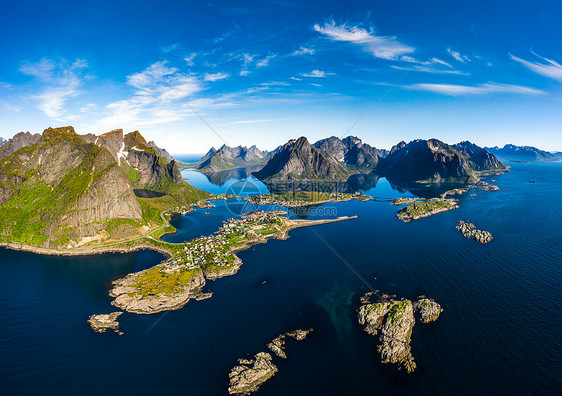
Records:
x=266, y=71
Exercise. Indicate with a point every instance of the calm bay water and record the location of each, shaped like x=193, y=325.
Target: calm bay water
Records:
x=500, y=331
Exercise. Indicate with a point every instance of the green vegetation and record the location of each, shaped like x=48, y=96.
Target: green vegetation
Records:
x=154, y=281
x=420, y=208
x=397, y=310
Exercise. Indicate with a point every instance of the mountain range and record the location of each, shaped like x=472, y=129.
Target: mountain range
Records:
x=226, y=158
x=420, y=161
x=61, y=189
x=523, y=153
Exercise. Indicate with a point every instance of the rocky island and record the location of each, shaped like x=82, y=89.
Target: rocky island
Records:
x=101, y=322
x=251, y=374
x=393, y=320
x=468, y=230
x=418, y=210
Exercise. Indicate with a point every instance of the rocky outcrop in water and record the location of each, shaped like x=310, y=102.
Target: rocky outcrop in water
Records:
x=101, y=322
x=298, y=160
x=468, y=230
x=428, y=310
x=393, y=320
x=249, y=375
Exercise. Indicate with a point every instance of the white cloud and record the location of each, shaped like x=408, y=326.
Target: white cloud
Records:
x=295, y=78
x=189, y=59
x=58, y=81
x=265, y=61
x=457, y=55
x=304, y=51
x=317, y=74
x=216, y=76
x=157, y=98
x=384, y=47
x=244, y=72
x=170, y=48
x=429, y=69
x=490, y=87
x=316, y=85
x=550, y=69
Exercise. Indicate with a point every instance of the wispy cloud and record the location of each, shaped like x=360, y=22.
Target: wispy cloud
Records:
x=428, y=69
x=215, y=76
x=253, y=121
x=58, y=82
x=170, y=48
x=295, y=78
x=265, y=61
x=457, y=55
x=304, y=51
x=384, y=47
x=189, y=59
x=490, y=87
x=317, y=74
x=551, y=68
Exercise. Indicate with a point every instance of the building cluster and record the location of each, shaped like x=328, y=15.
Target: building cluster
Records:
x=213, y=250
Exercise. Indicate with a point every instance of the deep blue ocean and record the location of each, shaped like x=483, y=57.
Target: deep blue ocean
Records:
x=500, y=332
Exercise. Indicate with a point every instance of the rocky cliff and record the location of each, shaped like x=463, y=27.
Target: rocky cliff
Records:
x=68, y=189
x=19, y=141
x=428, y=161
x=351, y=151
x=479, y=158
x=299, y=160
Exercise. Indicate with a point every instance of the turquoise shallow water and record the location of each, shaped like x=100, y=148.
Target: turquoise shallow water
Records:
x=500, y=331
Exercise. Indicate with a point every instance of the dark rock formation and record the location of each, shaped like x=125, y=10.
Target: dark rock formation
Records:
x=426, y=161
x=299, y=160
x=351, y=151
x=479, y=158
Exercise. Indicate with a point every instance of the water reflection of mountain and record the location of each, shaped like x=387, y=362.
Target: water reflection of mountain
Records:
x=431, y=190
x=355, y=184
x=220, y=178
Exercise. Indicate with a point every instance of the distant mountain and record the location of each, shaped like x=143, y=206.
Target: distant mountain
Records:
x=480, y=159
x=428, y=161
x=351, y=151
x=525, y=153
x=19, y=141
x=162, y=152
x=230, y=158
x=2, y=141
x=299, y=160
x=65, y=189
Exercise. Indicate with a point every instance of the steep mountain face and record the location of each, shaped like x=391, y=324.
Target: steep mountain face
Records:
x=19, y=141
x=161, y=152
x=230, y=158
x=299, y=160
x=67, y=189
x=524, y=153
x=351, y=150
x=479, y=158
x=425, y=161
